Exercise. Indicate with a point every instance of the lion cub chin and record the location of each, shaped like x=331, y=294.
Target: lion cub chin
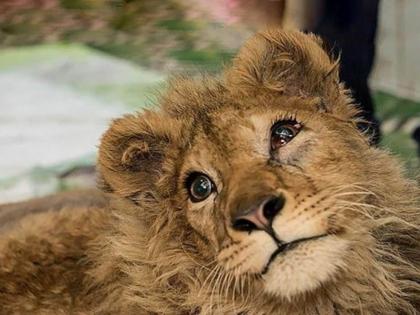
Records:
x=250, y=193
x=305, y=268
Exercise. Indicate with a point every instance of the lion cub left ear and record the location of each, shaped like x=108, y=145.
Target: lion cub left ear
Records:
x=287, y=63
x=132, y=152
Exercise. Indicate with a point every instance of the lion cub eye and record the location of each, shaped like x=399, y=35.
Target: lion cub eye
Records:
x=283, y=132
x=199, y=186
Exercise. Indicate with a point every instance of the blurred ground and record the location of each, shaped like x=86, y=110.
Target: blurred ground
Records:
x=68, y=66
x=55, y=102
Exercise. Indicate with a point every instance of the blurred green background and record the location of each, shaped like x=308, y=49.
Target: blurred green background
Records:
x=82, y=62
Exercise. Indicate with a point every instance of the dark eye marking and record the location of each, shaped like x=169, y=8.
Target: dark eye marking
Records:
x=199, y=186
x=283, y=131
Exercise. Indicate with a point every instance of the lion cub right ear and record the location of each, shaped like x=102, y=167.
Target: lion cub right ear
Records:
x=132, y=152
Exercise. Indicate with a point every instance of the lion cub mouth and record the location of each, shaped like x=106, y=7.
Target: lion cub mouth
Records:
x=283, y=248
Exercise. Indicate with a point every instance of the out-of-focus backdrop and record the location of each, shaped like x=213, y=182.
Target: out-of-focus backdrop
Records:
x=67, y=67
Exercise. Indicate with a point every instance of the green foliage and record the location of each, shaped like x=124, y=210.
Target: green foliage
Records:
x=397, y=141
x=177, y=25
x=389, y=106
x=152, y=33
x=133, y=52
x=210, y=59
x=76, y=4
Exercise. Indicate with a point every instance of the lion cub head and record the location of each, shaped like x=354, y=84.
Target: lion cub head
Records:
x=260, y=175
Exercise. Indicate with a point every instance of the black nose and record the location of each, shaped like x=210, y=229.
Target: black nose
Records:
x=259, y=217
x=273, y=206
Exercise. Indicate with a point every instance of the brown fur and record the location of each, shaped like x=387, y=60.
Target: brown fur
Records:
x=12, y=213
x=153, y=251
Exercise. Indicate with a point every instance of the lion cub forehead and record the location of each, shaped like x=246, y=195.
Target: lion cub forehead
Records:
x=243, y=126
x=229, y=133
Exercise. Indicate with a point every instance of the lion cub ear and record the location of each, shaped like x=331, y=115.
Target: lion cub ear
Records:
x=288, y=63
x=132, y=152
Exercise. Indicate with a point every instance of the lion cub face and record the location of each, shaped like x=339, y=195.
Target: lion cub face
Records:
x=262, y=166
x=267, y=188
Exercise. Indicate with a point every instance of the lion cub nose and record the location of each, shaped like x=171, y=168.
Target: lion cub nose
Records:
x=259, y=217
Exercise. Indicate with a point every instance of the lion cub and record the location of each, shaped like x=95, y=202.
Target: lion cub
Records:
x=252, y=193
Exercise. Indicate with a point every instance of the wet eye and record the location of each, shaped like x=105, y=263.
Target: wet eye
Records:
x=199, y=186
x=283, y=132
